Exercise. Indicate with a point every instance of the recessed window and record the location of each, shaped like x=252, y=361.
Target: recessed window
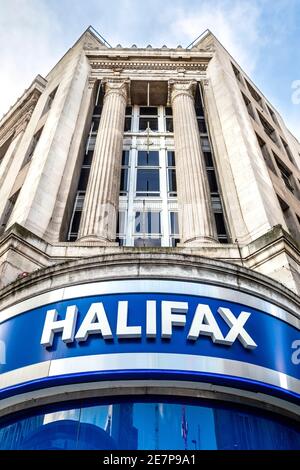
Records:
x=124, y=173
x=76, y=216
x=32, y=147
x=174, y=228
x=148, y=179
x=236, y=72
x=169, y=120
x=205, y=144
x=172, y=184
x=285, y=174
x=273, y=115
x=265, y=153
x=254, y=93
x=128, y=119
x=8, y=211
x=148, y=118
x=49, y=101
x=121, y=228
x=4, y=147
x=221, y=228
x=248, y=106
x=202, y=125
x=99, y=100
x=287, y=151
x=212, y=180
x=269, y=130
x=83, y=179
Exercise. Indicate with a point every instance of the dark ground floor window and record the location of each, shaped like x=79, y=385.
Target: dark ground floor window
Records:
x=149, y=423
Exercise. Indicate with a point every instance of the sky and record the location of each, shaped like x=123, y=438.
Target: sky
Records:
x=262, y=35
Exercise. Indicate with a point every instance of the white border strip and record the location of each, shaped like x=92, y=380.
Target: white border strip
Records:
x=151, y=362
x=150, y=286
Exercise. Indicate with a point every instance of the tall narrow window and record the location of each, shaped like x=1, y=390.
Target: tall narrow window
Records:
x=216, y=203
x=172, y=185
x=148, y=186
x=169, y=120
x=265, y=153
x=124, y=173
x=269, y=130
x=286, y=175
x=174, y=229
x=8, y=211
x=248, y=106
x=4, y=147
x=121, y=228
x=128, y=119
x=287, y=151
x=49, y=101
x=254, y=93
x=32, y=147
x=148, y=180
x=85, y=169
x=236, y=72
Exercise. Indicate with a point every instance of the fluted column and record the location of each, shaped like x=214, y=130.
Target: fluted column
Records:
x=100, y=208
x=195, y=217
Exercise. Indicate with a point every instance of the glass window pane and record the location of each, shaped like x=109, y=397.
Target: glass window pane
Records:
x=172, y=186
x=169, y=125
x=168, y=111
x=147, y=182
x=145, y=424
x=83, y=180
x=205, y=144
x=148, y=111
x=174, y=223
x=127, y=124
x=212, y=181
x=125, y=158
x=124, y=180
x=87, y=161
x=202, y=126
x=128, y=111
x=171, y=158
x=208, y=159
x=220, y=223
x=147, y=222
x=96, y=122
x=144, y=123
x=76, y=222
x=148, y=158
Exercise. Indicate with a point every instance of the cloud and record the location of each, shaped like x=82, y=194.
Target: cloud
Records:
x=27, y=28
x=236, y=25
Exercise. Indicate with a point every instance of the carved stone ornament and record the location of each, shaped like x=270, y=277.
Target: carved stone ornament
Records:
x=116, y=86
x=182, y=88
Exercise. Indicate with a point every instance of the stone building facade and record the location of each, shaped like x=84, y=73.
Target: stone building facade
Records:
x=138, y=164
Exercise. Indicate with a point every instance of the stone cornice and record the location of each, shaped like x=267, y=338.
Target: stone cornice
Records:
x=17, y=118
x=148, y=65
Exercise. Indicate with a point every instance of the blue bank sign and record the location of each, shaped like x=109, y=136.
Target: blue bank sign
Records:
x=150, y=329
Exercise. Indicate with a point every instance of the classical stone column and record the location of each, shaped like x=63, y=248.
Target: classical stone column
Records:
x=100, y=208
x=195, y=216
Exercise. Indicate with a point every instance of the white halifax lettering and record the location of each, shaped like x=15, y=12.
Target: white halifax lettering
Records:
x=173, y=314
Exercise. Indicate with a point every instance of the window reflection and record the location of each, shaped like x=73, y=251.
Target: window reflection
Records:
x=150, y=425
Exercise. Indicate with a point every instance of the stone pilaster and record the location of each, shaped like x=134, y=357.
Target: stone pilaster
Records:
x=100, y=208
x=195, y=217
